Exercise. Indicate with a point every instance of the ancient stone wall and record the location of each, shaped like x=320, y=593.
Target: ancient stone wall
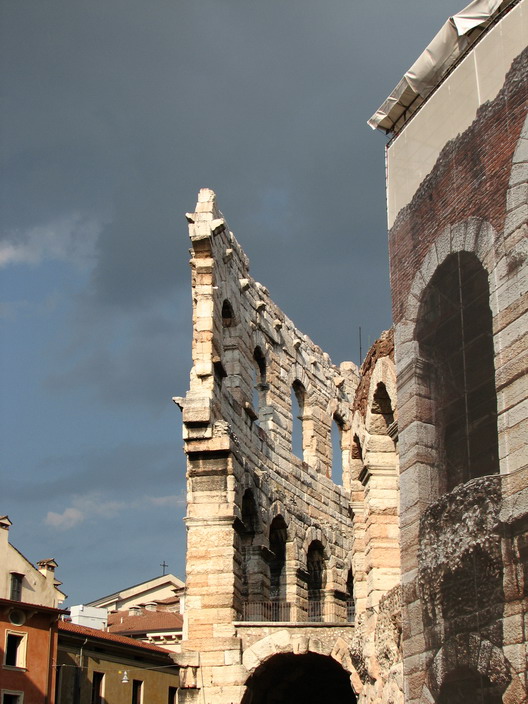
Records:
x=254, y=508
x=273, y=559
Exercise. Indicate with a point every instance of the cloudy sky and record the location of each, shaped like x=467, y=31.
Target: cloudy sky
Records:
x=115, y=113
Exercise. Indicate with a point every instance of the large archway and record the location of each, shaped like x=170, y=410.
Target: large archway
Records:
x=299, y=679
x=465, y=685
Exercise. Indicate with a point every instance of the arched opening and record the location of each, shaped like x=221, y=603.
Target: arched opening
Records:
x=315, y=563
x=350, y=603
x=299, y=679
x=277, y=568
x=357, y=451
x=298, y=395
x=357, y=463
x=228, y=317
x=252, y=587
x=382, y=414
x=249, y=516
x=259, y=380
x=337, y=449
x=454, y=331
x=467, y=686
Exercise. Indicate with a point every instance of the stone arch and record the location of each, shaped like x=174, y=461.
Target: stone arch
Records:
x=473, y=235
x=298, y=373
x=470, y=651
x=455, y=343
x=253, y=585
x=313, y=534
x=358, y=442
x=229, y=319
x=277, y=508
x=258, y=339
x=258, y=385
x=285, y=641
x=278, y=560
x=384, y=373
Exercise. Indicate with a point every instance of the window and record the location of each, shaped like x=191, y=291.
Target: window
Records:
x=455, y=334
x=382, y=413
x=259, y=380
x=171, y=699
x=15, y=649
x=298, y=394
x=137, y=691
x=16, y=586
x=277, y=542
x=316, y=578
x=351, y=607
x=228, y=317
x=97, y=687
x=337, y=449
x=10, y=697
x=246, y=530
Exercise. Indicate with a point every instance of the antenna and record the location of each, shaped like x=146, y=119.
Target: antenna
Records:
x=360, y=350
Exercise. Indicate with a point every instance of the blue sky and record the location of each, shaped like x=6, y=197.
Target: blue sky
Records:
x=115, y=114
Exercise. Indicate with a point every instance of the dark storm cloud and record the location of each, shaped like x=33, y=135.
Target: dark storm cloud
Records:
x=124, y=109
x=115, y=113
x=121, y=471
x=137, y=359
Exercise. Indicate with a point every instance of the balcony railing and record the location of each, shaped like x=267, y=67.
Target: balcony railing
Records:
x=267, y=611
x=281, y=611
x=315, y=612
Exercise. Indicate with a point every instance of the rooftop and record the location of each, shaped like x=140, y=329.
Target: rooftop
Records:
x=67, y=627
x=123, y=622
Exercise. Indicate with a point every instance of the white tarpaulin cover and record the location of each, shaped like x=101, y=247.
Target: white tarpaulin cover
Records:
x=427, y=71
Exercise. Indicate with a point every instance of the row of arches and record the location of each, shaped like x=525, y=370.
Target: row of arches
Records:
x=273, y=587
x=301, y=423
x=455, y=338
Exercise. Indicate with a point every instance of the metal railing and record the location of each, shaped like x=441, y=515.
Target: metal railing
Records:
x=317, y=612
x=266, y=611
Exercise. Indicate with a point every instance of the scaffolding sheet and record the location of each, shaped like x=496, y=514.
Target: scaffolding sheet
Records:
x=443, y=51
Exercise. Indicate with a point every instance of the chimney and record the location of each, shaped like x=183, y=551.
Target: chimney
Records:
x=5, y=523
x=47, y=568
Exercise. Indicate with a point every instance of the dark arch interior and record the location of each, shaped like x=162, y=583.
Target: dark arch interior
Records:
x=228, y=317
x=467, y=686
x=454, y=331
x=277, y=541
x=299, y=679
x=315, y=562
x=260, y=360
x=298, y=395
x=249, y=516
x=351, y=606
x=382, y=413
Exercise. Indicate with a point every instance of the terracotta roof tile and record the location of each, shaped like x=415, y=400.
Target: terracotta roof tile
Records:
x=104, y=635
x=122, y=622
